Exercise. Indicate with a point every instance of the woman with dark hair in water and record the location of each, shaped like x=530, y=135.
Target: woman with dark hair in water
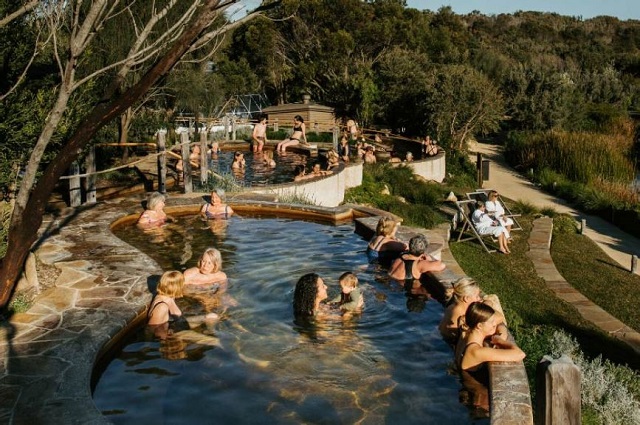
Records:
x=309, y=292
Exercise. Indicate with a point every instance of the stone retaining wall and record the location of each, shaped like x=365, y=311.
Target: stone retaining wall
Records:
x=326, y=191
x=432, y=168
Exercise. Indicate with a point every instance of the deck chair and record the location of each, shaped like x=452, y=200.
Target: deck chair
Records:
x=483, y=195
x=465, y=211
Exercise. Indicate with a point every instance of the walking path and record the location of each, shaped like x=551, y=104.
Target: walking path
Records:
x=617, y=244
x=614, y=242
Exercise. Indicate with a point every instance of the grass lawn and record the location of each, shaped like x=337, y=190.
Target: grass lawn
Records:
x=597, y=276
x=533, y=311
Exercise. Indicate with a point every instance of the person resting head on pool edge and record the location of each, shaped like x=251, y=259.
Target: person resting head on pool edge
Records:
x=207, y=272
x=216, y=208
x=482, y=324
x=310, y=290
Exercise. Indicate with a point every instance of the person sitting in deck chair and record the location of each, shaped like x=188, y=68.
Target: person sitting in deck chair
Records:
x=486, y=225
x=495, y=208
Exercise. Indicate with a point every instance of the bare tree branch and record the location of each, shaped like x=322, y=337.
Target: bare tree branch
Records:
x=18, y=13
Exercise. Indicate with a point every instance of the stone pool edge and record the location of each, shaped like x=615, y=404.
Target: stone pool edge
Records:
x=50, y=352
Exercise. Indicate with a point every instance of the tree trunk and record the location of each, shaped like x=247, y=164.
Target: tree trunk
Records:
x=23, y=230
x=123, y=130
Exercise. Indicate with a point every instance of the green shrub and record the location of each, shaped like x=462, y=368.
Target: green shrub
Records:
x=414, y=200
x=564, y=223
x=609, y=390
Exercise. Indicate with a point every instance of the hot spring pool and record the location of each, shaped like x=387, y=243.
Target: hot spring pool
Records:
x=387, y=365
x=256, y=173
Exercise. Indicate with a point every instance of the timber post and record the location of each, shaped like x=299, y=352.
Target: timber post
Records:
x=225, y=122
x=479, y=169
x=186, y=163
x=558, y=392
x=233, y=128
x=90, y=182
x=75, y=193
x=204, y=163
x=161, y=138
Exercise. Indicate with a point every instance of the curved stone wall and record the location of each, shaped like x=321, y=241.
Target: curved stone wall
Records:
x=326, y=191
x=432, y=168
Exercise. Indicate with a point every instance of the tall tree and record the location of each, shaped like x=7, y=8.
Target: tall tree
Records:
x=171, y=29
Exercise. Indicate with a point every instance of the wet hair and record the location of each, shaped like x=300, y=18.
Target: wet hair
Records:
x=214, y=256
x=348, y=279
x=219, y=192
x=298, y=118
x=477, y=313
x=464, y=287
x=171, y=284
x=418, y=245
x=385, y=226
x=155, y=199
x=304, y=295
x=299, y=170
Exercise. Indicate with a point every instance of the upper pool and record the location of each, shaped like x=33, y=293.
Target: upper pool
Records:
x=387, y=365
x=256, y=172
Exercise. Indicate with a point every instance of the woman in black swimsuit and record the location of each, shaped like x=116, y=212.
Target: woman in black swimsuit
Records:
x=482, y=325
x=163, y=307
x=298, y=136
x=411, y=265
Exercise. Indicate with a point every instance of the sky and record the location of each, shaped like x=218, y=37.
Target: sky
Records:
x=621, y=9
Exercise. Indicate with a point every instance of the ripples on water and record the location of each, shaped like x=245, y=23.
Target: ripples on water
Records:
x=386, y=365
x=256, y=173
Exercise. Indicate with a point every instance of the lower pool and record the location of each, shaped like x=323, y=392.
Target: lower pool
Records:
x=256, y=366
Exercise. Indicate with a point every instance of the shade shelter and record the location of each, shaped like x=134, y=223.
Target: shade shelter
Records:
x=317, y=117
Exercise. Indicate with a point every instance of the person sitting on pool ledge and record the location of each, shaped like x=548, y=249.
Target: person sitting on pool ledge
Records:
x=154, y=215
x=207, y=274
x=298, y=136
x=309, y=292
x=216, y=208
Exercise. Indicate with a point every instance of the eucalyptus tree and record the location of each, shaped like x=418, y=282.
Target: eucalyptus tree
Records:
x=163, y=32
